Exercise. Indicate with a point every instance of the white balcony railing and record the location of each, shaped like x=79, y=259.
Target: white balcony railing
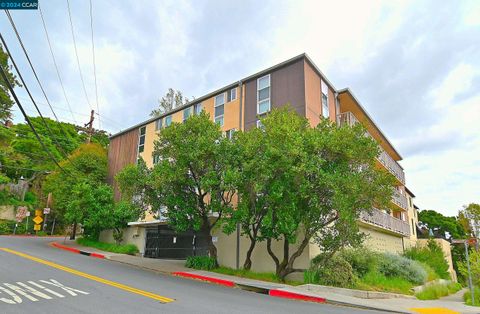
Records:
x=386, y=221
x=347, y=118
x=399, y=199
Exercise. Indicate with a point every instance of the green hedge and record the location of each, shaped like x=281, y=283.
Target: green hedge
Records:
x=130, y=249
x=201, y=262
x=335, y=271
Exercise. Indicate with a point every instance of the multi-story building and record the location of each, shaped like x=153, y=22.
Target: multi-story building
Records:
x=239, y=106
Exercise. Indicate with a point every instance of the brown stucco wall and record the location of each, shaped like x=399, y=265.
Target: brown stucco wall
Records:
x=287, y=86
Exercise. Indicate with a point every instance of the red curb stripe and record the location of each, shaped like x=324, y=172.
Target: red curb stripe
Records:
x=222, y=282
x=63, y=247
x=296, y=296
x=97, y=255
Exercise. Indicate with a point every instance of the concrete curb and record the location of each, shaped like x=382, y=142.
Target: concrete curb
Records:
x=217, y=281
x=77, y=251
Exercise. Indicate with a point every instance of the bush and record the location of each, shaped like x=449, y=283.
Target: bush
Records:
x=335, y=271
x=431, y=255
x=379, y=282
x=431, y=274
x=5, y=227
x=130, y=249
x=436, y=291
x=362, y=260
x=201, y=262
x=467, y=297
x=392, y=265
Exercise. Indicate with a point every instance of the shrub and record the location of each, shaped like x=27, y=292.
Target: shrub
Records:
x=335, y=271
x=467, y=297
x=436, y=291
x=431, y=255
x=362, y=260
x=130, y=249
x=201, y=262
x=379, y=282
x=431, y=274
x=392, y=265
x=473, y=257
x=5, y=227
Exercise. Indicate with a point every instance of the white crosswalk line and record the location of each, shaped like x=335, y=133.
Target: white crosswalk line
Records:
x=16, y=298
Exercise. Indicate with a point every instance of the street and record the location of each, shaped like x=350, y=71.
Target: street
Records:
x=36, y=277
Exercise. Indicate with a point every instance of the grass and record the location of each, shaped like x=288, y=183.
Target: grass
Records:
x=130, y=249
x=271, y=277
x=467, y=297
x=374, y=281
x=437, y=291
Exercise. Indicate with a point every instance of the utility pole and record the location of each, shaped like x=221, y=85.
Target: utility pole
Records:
x=90, y=126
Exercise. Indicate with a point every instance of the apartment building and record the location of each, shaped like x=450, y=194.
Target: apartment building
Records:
x=239, y=106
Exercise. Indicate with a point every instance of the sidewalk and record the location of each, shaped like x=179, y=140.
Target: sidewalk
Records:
x=394, y=303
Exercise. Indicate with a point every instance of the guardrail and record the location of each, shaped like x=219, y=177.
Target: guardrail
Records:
x=378, y=218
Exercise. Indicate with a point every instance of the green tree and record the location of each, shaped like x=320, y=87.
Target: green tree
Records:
x=194, y=178
x=6, y=102
x=310, y=184
x=474, y=259
x=435, y=220
x=471, y=214
x=172, y=99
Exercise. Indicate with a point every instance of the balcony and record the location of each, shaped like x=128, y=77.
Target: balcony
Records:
x=400, y=200
x=386, y=221
x=347, y=118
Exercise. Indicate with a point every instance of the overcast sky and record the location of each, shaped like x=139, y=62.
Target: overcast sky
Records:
x=414, y=65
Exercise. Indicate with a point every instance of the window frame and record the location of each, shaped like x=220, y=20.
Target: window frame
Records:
x=220, y=118
x=269, y=99
x=157, y=122
x=195, y=108
x=325, y=106
x=230, y=93
x=189, y=110
x=168, y=120
x=140, y=136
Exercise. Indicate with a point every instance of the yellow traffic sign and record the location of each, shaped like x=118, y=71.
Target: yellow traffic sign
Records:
x=37, y=227
x=38, y=212
x=38, y=220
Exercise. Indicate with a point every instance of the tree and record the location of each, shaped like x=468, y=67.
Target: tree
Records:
x=471, y=213
x=6, y=102
x=172, y=99
x=474, y=259
x=313, y=185
x=194, y=178
x=441, y=224
x=86, y=165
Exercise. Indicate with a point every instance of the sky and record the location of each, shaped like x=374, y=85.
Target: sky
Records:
x=414, y=66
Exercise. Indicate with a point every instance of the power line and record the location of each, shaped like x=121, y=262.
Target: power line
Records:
x=27, y=89
x=55, y=63
x=94, y=66
x=12, y=91
x=76, y=54
x=30, y=62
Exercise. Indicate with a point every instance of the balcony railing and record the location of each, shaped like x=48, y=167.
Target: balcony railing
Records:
x=347, y=118
x=399, y=199
x=386, y=221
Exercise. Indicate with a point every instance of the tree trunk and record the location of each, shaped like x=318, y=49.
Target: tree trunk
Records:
x=74, y=231
x=206, y=231
x=248, y=259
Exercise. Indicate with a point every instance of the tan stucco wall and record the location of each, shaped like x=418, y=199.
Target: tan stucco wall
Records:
x=131, y=235
x=447, y=252
x=383, y=242
x=261, y=260
x=7, y=212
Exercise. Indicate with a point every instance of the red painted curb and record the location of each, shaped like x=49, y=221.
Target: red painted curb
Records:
x=222, y=282
x=296, y=296
x=77, y=251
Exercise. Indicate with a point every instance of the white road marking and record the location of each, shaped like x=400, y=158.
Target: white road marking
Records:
x=19, y=290
x=55, y=283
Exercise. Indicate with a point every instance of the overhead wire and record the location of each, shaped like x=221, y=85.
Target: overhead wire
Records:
x=94, y=63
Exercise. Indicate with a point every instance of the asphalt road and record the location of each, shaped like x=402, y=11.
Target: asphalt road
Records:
x=43, y=279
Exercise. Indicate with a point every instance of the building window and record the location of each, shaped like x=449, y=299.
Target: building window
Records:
x=232, y=94
x=141, y=140
x=219, y=108
x=168, y=120
x=197, y=108
x=410, y=201
x=325, y=110
x=260, y=124
x=263, y=94
x=413, y=227
x=158, y=124
x=186, y=113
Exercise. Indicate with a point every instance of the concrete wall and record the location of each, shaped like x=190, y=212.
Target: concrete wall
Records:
x=447, y=252
x=261, y=260
x=131, y=235
x=7, y=212
x=383, y=242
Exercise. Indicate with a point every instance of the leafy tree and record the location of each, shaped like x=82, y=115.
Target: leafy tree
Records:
x=435, y=220
x=474, y=259
x=170, y=101
x=311, y=184
x=471, y=213
x=194, y=178
x=6, y=102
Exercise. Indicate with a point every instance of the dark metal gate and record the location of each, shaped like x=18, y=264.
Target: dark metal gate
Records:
x=163, y=242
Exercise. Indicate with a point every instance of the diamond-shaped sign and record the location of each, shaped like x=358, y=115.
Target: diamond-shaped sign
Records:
x=38, y=220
